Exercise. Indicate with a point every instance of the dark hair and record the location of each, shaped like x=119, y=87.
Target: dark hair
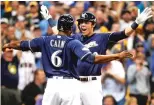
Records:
x=109, y=96
x=124, y=12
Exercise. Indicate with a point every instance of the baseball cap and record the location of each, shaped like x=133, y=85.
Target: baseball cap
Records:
x=33, y=3
x=4, y=21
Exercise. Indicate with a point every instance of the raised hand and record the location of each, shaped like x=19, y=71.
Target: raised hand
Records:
x=45, y=13
x=146, y=14
x=6, y=48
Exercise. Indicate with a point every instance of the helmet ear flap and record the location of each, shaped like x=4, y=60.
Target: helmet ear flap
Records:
x=94, y=24
x=79, y=27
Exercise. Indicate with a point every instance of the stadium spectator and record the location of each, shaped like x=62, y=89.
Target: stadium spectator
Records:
x=21, y=11
x=21, y=32
x=109, y=100
x=10, y=35
x=125, y=19
x=4, y=27
x=27, y=67
x=34, y=91
x=150, y=59
x=113, y=81
x=115, y=27
x=92, y=9
x=134, y=12
x=33, y=16
x=131, y=101
x=80, y=7
x=100, y=19
x=10, y=79
x=13, y=9
x=138, y=79
x=148, y=28
x=152, y=99
x=53, y=12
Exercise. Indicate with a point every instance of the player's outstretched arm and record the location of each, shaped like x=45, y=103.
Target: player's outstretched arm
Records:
x=84, y=54
x=45, y=13
x=12, y=45
x=33, y=45
x=141, y=18
x=107, y=58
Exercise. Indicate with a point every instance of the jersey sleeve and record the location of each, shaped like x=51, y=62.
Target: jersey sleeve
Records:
x=51, y=22
x=116, y=36
x=33, y=45
x=82, y=52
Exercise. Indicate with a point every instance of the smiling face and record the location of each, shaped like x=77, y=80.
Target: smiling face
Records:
x=86, y=27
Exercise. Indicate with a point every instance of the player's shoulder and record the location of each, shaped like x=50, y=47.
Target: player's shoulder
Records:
x=76, y=36
x=73, y=42
x=47, y=36
x=102, y=35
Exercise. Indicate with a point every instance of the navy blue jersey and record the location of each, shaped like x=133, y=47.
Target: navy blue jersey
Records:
x=59, y=54
x=97, y=44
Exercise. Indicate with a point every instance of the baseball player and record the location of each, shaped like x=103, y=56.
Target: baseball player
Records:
x=100, y=41
x=97, y=43
x=60, y=54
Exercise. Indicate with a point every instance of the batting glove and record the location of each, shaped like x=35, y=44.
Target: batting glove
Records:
x=146, y=14
x=45, y=13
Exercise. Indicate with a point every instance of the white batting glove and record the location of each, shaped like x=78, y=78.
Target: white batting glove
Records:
x=45, y=13
x=146, y=14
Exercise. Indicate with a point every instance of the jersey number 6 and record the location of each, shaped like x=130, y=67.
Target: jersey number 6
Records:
x=56, y=60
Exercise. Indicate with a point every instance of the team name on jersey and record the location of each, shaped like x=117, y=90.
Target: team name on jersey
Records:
x=57, y=43
x=91, y=44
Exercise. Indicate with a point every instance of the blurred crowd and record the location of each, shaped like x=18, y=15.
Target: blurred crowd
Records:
x=127, y=82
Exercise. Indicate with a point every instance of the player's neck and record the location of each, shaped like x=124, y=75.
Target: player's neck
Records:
x=64, y=33
x=88, y=35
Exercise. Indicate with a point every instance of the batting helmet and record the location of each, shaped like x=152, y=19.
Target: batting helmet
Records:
x=65, y=22
x=88, y=17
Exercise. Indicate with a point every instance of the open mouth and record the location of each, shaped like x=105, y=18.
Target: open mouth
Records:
x=83, y=29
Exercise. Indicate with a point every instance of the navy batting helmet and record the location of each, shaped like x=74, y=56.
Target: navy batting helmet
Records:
x=87, y=16
x=65, y=22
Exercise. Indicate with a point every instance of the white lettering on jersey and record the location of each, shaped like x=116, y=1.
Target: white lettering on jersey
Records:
x=91, y=44
x=58, y=36
x=85, y=49
x=57, y=43
x=55, y=59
